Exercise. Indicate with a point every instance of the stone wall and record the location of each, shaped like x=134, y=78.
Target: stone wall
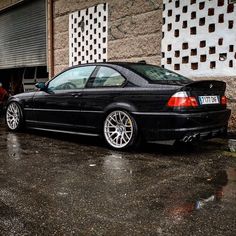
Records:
x=6, y=3
x=135, y=29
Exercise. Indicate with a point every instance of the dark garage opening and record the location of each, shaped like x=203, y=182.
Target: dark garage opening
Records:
x=23, y=45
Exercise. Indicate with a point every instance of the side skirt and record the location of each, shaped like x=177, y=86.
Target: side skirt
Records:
x=65, y=132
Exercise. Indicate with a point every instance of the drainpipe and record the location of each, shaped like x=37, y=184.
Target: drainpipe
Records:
x=51, y=38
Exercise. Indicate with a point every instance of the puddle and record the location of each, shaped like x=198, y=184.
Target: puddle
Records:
x=220, y=188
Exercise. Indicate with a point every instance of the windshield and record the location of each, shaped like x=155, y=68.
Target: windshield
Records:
x=157, y=74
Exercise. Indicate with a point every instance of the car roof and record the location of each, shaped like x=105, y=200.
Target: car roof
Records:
x=111, y=63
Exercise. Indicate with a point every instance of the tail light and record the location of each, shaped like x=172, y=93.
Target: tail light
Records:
x=223, y=100
x=181, y=99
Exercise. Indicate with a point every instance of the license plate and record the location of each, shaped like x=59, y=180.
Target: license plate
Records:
x=205, y=100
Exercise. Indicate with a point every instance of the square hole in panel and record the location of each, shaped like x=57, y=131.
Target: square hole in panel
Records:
x=169, y=27
x=177, y=53
x=202, y=21
x=193, y=52
x=177, y=66
x=230, y=8
x=194, y=66
x=193, y=30
x=185, y=60
x=185, y=46
x=185, y=24
x=231, y=63
x=222, y=56
x=201, y=5
x=212, y=50
x=193, y=2
x=221, y=18
x=169, y=12
x=177, y=4
x=211, y=28
x=185, y=9
x=193, y=15
x=177, y=18
x=202, y=43
x=212, y=64
x=169, y=47
x=220, y=41
x=220, y=3
x=176, y=33
x=231, y=48
x=169, y=60
x=203, y=58
x=211, y=12
x=230, y=24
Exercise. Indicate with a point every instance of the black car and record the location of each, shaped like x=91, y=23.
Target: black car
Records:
x=123, y=102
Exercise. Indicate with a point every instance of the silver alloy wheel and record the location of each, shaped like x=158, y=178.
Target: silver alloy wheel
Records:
x=118, y=129
x=13, y=116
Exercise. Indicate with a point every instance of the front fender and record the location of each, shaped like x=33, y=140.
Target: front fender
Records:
x=15, y=99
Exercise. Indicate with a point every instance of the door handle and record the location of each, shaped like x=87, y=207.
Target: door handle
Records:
x=76, y=95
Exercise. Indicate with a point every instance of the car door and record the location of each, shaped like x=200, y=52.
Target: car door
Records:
x=102, y=89
x=59, y=105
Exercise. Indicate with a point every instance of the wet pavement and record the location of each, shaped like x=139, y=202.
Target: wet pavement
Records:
x=67, y=185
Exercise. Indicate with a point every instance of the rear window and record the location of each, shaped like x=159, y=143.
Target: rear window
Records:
x=157, y=74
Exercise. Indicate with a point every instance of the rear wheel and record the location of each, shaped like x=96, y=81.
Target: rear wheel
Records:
x=14, y=116
x=120, y=130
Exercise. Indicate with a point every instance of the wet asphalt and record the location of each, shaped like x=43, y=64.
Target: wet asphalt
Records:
x=67, y=185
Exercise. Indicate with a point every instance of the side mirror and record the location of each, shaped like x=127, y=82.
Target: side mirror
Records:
x=41, y=86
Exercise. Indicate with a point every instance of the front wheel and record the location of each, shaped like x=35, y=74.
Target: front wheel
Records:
x=14, y=116
x=120, y=130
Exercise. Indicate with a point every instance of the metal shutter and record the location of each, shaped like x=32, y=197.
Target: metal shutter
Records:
x=23, y=35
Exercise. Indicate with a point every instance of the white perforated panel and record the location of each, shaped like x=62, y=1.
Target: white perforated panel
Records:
x=199, y=37
x=88, y=30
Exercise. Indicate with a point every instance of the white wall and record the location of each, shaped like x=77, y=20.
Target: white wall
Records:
x=224, y=66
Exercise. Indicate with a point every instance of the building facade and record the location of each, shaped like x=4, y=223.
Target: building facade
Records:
x=196, y=38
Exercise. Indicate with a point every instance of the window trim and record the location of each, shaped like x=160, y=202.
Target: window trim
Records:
x=94, y=75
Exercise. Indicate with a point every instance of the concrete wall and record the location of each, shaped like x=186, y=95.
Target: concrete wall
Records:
x=135, y=28
x=6, y=3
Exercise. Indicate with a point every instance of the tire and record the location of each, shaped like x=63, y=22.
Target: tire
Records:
x=120, y=130
x=14, y=117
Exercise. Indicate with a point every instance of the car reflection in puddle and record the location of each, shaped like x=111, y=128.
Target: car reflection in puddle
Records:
x=13, y=146
x=221, y=187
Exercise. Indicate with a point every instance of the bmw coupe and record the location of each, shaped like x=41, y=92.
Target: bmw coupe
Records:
x=123, y=102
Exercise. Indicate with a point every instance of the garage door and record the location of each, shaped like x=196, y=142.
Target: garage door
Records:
x=23, y=35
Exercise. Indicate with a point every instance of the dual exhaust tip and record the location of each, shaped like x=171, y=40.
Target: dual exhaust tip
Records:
x=190, y=138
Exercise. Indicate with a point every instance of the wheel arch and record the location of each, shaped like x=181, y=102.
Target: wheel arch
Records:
x=119, y=106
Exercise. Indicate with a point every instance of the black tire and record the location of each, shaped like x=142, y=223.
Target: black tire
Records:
x=119, y=125
x=14, y=117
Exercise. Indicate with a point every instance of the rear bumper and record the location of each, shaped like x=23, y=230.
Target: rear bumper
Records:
x=178, y=126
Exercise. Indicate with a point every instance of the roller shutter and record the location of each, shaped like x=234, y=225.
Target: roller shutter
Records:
x=23, y=35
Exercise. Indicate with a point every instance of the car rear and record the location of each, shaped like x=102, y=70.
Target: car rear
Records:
x=195, y=110
x=200, y=110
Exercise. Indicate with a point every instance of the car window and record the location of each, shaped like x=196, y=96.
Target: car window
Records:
x=75, y=78
x=107, y=77
x=156, y=74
